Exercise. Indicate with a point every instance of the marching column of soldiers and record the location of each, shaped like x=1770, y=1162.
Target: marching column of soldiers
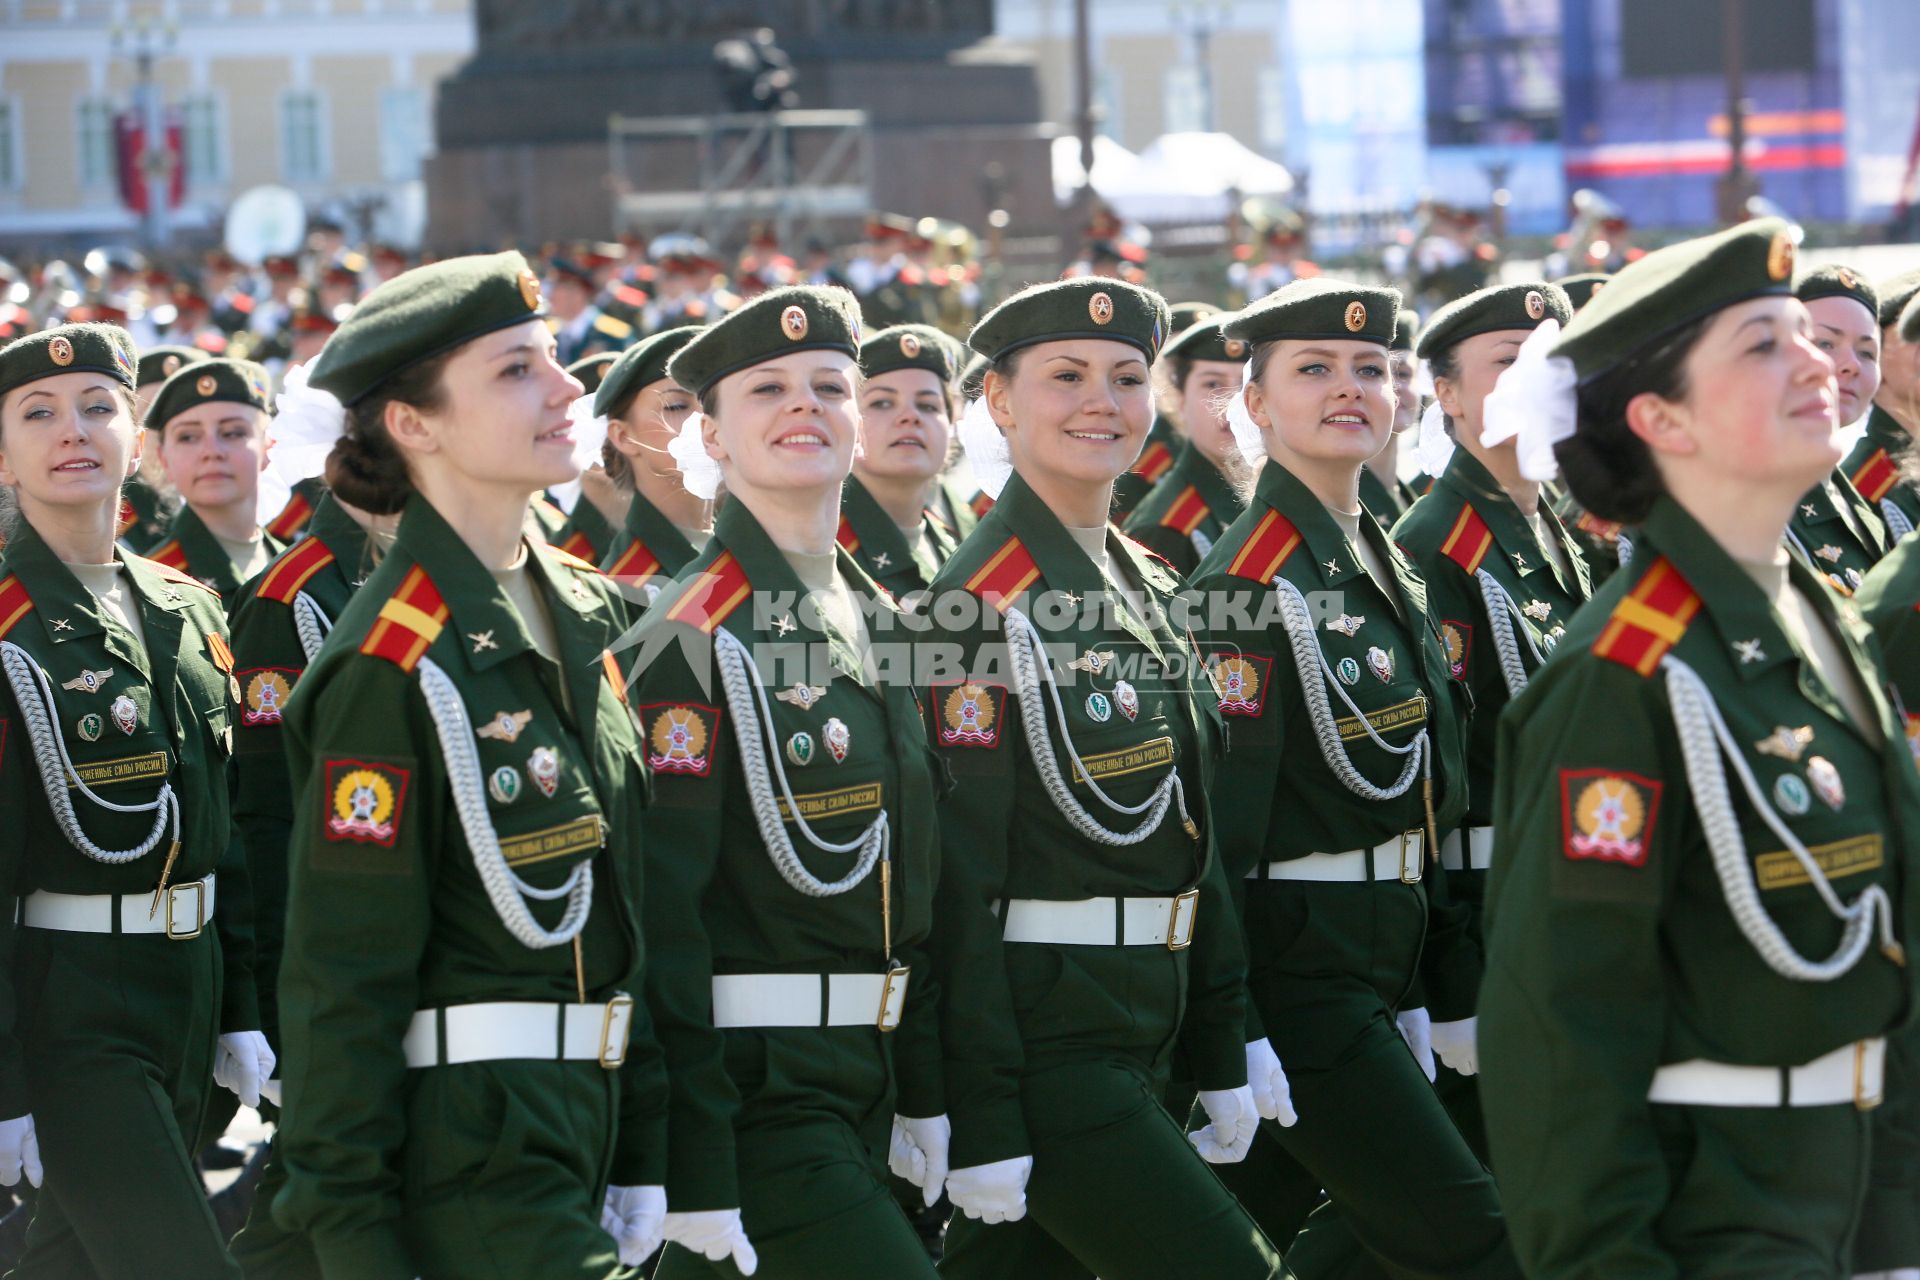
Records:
x=633, y=769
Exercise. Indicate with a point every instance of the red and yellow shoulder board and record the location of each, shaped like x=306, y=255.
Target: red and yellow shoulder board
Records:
x=15, y=603
x=171, y=554
x=1153, y=462
x=1875, y=476
x=409, y=621
x=578, y=545
x=980, y=504
x=549, y=509
x=1650, y=620
x=846, y=537
x=1007, y=573
x=178, y=573
x=292, y=518
x=635, y=562
x=294, y=569
x=1592, y=524
x=1185, y=512
x=712, y=597
x=1469, y=540
x=1266, y=548
x=573, y=559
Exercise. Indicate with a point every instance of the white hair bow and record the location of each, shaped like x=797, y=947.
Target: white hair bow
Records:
x=1534, y=404
x=1246, y=432
x=698, y=472
x=306, y=423
x=988, y=456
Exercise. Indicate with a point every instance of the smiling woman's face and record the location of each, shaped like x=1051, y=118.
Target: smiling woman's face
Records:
x=1076, y=411
x=1325, y=401
x=67, y=441
x=787, y=424
x=904, y=428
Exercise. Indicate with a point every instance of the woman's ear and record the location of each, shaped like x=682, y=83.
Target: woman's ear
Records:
x=1257, y=406
x=997, y=388
x=1447, y=392
x=1661, y=424
x=710, y=437
x=410, y=429
x=139, y=452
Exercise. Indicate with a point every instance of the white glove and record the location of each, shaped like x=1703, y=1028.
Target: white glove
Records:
x=1458, y=1044
x=1233, y=1119
x=243, y=1062
x=1272, y=1095
x=994, y=1192
x=918, y=1153
x=19, y=1152
x=714, y=1234
x=1416, y=1028
x=633, y=1217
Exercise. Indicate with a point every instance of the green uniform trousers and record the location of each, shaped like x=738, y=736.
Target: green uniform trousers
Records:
x=118, y=1035
x=1117, y=1191
x=264, y=1249
x=1890, y=1222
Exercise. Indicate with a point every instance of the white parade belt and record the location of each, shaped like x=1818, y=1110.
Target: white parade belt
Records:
x=1853, y=1073
x=1479, y=849
x=1103, y=922
x=541, y=1030
x=183, y=911
x=744, y=1000
x=1396, y=860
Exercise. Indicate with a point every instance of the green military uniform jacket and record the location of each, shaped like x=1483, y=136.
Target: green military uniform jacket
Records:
x=191, y=548
x=958, y=508
x=1277, y=797
x=1611, y=949
x=1837, y=532
x=1013, y=1008
x=388, y=913
x=1874, y=468
x=143, y=522
x=292, y=519
x=1889, y=601
x=850, y=747
x=132, y=717
x=587, y=534
x=270, y=655
x=647, y=553
x=1385, y=504
x=1184, y=515
x=869, y=535
x=1605, y=544
x=1153, y=464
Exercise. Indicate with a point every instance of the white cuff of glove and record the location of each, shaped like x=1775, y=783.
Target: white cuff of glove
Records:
x=714, y=1234
x=1272, y=1095
x=1232, y=1122
x=994, y=1192
x=634, y=1217
x=20, y=1152
x=1458, y=1044
x=918, y=1153
x=243, y=1062
x=1416, y=1028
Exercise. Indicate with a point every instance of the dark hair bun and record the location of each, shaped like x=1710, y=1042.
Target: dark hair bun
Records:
x=366, y=471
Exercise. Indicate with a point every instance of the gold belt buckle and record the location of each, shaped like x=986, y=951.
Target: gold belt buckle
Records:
x=1186, y=907
x=893, y=997
x=615, y=1024
x=1410, y=840
x=199, y=888
x=1862, y=1100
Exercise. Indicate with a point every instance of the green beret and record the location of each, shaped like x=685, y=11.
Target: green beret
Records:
x=157, y=364
x=1082, y=307
x=423, y=313
x=1405, y=325
x=1834, y=281
x=1496, y=310
x=908, y=346
x=1673, y=287
x=639, y=367
x=1895, y=293
x=1910, y=321
x=235, y=381
x=1182, y=316
x=1207, y=340
x=593, y=370
x=1322, y=308
x=777, y=323
x=71, y=348
x=1581, y=288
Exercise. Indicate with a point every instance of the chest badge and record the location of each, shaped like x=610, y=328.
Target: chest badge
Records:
x=90, y=727
x=1829, y=553
x=1380, y=662
x=1538, y=610
x=1790, y=795
x=1093, y=661
x=504, y=784
x=837, y=737
x=1349, y=671
x=1786, y=744
x=1099, y=708
x=88, y=681
x=1826, y=782
x=543, y=766
x=1348, y=624
x=802, y=695
x=126, y=716
x=1127, y=698
x=504, y=726
x=800, y=749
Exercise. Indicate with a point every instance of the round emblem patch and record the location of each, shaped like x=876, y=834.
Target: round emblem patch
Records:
x=1356, y=316
x=1790, y=795
x=1238, y=682
x=909, y=345
x=793, y=323
x=504, y=785
x=529, y=290
x=205, y=384
x=1780, y=256
x=1608, y=819
x=1236, y=348
x=90, y=727
x=1846, y=278
x=1100, y=307
x=1099, y=709
x=362, y=806
x=1456, y=647
x=60, y=351
x=1536, y=305
x=968, y=713
x=266, y=695
x=800, y=748
x=1349, y=671
x=169, y=366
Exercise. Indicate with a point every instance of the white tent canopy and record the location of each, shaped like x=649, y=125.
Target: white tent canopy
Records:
x=1178, y=177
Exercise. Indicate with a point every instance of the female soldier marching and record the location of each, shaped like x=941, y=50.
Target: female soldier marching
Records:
x=665, y=526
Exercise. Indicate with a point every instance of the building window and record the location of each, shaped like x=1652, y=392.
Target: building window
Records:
x=10, y=159
x=1184, y=100
x=406, y=133
x=203, y=135
x=94, y=135
x=303, y=142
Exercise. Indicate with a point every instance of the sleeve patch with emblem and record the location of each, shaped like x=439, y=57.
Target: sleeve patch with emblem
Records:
x=263, y=693
x=679, y=737
x=1457, y=638
x=1241, y=680
x=1607, y=816
x=970, y=713
x=364, y=801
